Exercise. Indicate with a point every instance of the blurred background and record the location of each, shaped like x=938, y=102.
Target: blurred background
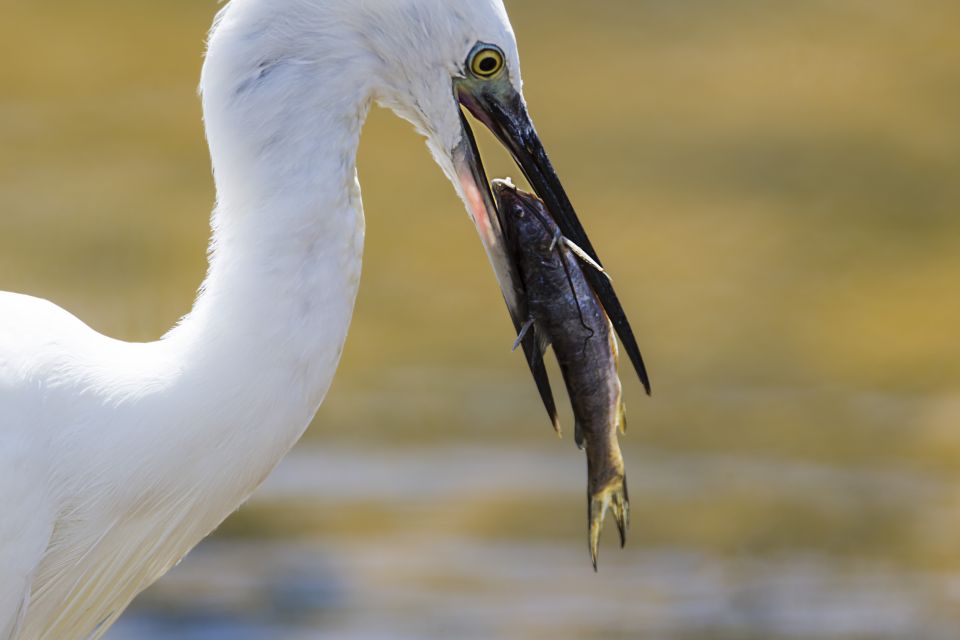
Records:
x=775, y=187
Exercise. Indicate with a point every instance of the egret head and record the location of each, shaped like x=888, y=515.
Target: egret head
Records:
x=430, y=61
x=423, y=49
x=439, y=58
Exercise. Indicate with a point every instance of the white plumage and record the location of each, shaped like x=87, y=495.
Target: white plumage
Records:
x=117, y=458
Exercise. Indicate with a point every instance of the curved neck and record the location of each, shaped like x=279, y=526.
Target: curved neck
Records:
x=288, y=228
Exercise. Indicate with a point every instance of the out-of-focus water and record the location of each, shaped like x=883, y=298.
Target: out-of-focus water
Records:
x=412, y=564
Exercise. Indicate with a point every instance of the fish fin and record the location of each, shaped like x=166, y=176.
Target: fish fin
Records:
x=621, y=512
x=622, y=417
x=613, y=497
x=542, y=340
x=523, y=333
x=557, y=239
x=584, y=256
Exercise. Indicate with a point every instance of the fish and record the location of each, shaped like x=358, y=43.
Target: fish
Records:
x=565, y=313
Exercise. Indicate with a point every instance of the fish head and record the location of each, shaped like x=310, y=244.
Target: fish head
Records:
x=527, y=226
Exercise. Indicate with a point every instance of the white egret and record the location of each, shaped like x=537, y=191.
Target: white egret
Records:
x=117, y=458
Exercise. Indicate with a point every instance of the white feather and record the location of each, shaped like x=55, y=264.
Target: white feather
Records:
x=117, y=458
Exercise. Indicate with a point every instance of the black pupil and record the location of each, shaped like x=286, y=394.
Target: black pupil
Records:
x=488, y=64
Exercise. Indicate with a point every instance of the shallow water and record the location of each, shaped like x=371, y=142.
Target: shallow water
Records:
x=412, y=565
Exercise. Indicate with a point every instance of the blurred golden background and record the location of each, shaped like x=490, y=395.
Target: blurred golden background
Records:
x=775, y=187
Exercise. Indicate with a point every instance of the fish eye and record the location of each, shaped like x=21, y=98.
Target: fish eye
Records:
x=486, y=61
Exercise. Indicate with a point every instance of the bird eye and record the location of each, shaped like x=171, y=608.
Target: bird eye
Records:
x=487, y=61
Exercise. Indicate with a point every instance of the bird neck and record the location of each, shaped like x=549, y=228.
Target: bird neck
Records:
x=287, y=232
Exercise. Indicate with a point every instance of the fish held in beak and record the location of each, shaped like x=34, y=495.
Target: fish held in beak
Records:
x=501, y=108
x=565, y=312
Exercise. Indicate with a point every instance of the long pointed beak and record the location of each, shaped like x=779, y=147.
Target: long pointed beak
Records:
x=503, y=111
x=483, y=209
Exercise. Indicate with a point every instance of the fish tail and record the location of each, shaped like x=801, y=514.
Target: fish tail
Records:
x=621, y=511
x=612, y=496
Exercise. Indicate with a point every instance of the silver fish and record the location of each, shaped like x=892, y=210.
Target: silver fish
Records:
x=565, y=312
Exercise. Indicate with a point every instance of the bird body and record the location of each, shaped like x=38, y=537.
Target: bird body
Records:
x=143, y=449
x=117, y=458
x=135, y=452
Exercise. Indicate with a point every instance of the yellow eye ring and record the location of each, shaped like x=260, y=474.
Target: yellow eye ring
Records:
x=487, y=61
